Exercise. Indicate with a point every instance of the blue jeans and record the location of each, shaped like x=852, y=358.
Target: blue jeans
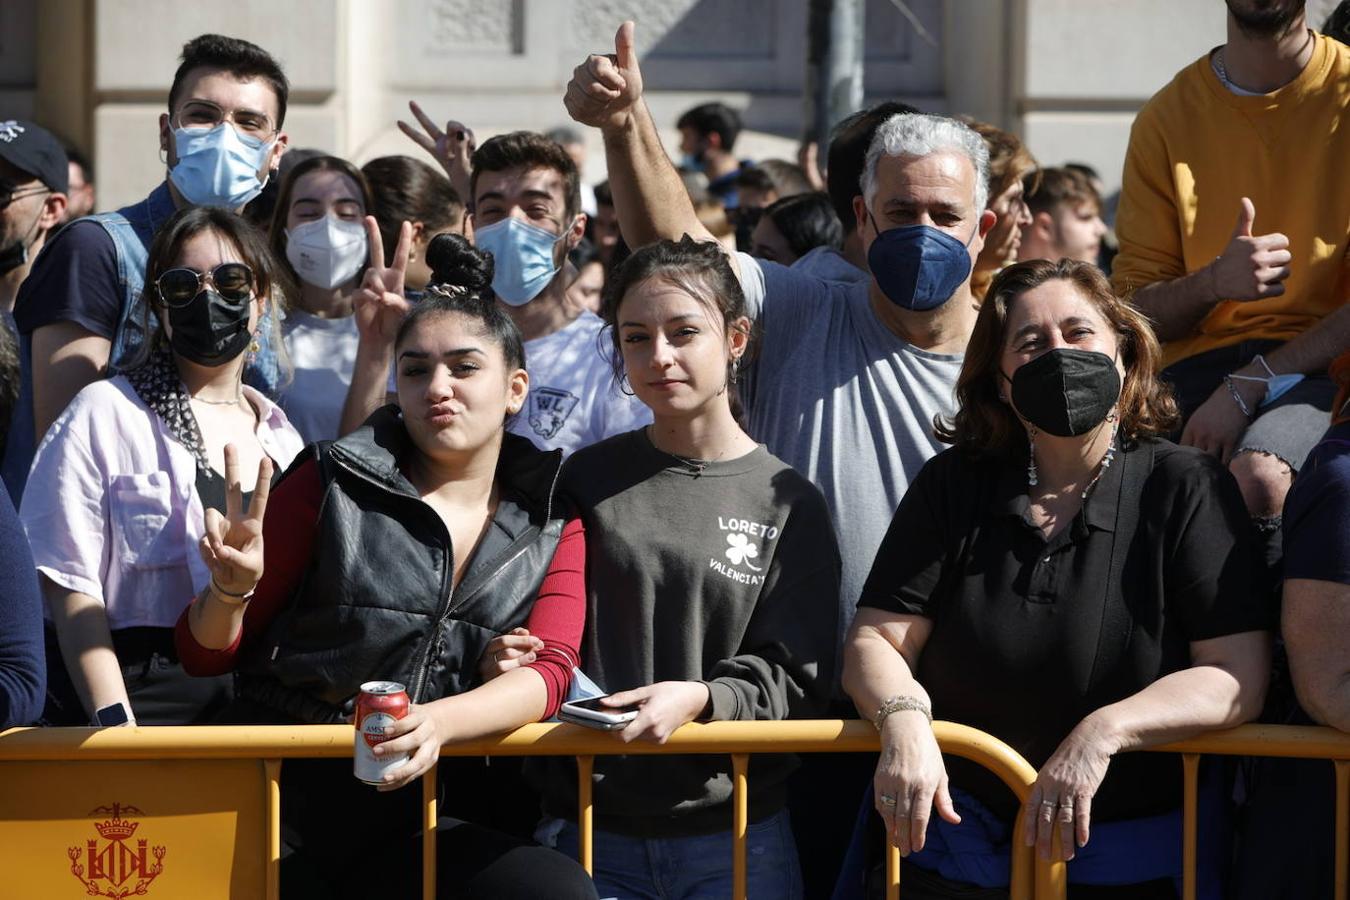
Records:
x=691, y=868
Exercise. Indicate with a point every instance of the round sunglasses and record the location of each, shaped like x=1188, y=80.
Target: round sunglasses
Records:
x=232, y=280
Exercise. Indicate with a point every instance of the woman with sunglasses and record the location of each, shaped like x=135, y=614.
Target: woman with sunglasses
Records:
x=123, y=483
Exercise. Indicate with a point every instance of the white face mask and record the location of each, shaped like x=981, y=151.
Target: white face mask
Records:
x=327, y=252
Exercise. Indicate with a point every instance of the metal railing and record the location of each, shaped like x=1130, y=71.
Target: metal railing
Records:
x=272, y=744
x=1281, y=741
x=1031, y=877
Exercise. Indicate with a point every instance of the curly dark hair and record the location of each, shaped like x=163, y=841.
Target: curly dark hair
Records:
x=985, y=425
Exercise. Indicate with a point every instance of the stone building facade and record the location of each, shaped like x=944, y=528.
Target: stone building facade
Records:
x=1068, y=75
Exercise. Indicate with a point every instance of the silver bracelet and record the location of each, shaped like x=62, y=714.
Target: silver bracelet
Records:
x=228, y=598
x=1232, y=389
x=899, y=704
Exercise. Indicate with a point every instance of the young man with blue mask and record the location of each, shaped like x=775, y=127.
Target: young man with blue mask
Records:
x=708, y=134
x=79, y=313
x=527, y=214
x=849, y=371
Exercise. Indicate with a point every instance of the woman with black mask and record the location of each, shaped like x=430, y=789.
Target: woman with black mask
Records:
x=1069, y=582
x=122, y=485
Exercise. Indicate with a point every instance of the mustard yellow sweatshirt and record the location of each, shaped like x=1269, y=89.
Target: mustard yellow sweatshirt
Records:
x=1197, y=148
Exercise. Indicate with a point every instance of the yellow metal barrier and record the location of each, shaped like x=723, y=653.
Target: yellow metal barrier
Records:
x=1283, y=741
x=243, y=786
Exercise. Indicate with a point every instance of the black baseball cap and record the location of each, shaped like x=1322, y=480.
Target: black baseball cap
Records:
x=33, y=149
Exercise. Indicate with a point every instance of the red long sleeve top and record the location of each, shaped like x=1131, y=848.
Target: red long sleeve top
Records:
x=289, y=531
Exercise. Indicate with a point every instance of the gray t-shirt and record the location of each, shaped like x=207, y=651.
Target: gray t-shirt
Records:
x=839, y=397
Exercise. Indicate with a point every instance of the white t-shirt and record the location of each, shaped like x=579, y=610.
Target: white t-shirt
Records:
x=324, y=354
x=574, y=398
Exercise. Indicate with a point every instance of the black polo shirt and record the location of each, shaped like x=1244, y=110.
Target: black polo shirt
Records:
x=1029, y=635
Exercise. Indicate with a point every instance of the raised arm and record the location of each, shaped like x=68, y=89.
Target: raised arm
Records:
x=649, y=197
x=380, y=309
x=452, y=148
x=222, y=622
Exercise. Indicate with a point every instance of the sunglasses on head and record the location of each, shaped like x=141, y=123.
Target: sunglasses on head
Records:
x=232, y=281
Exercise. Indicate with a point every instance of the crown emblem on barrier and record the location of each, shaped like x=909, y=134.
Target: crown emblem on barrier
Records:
x=117, y=828
x=115, y=867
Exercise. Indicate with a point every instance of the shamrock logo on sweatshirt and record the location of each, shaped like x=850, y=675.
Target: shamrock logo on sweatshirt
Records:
x=742, y=551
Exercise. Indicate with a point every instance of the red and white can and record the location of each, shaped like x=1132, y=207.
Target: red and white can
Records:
x=379, y=705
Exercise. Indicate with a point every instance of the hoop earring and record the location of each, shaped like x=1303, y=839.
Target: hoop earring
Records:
x=624, y=386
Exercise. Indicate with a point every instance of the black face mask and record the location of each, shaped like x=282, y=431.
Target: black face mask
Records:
x=13, y=256
x=16, y=254
x=209, y=330
x=1066, y=392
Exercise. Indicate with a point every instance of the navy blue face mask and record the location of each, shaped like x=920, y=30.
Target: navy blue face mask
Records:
x=918, y=267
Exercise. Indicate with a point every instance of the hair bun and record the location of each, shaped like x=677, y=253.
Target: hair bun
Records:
x=456, y=262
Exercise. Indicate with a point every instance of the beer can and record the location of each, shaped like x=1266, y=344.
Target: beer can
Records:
x=379, y=705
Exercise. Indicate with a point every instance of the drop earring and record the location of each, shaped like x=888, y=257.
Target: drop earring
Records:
x=1031, y=456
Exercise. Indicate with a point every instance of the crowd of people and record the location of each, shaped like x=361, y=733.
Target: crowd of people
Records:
x=931, y=430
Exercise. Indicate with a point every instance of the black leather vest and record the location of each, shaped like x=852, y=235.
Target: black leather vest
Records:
x=376, y=601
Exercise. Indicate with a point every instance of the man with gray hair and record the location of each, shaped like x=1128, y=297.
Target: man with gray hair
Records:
x=852, y=365
x=850, y=371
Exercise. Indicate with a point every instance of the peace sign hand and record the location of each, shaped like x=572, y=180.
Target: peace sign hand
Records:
x=232, y=546
x=452, y=148
x=380, y=305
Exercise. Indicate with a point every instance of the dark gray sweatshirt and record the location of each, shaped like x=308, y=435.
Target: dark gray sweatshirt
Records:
x=727, y=575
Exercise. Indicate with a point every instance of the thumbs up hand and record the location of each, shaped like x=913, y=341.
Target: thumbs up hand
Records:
x=605, y=87
x=1251, y=267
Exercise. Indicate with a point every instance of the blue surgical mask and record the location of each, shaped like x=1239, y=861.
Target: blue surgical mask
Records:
x=1278, y=386
x=918, y=267
x=218, y=166
x=522, y=258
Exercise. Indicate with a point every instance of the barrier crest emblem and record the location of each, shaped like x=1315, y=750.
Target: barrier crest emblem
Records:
x=117, y=864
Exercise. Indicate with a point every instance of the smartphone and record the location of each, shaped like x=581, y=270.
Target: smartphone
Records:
x=594, y=714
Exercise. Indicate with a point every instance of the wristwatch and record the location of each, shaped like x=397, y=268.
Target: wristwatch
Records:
x=112, y=716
